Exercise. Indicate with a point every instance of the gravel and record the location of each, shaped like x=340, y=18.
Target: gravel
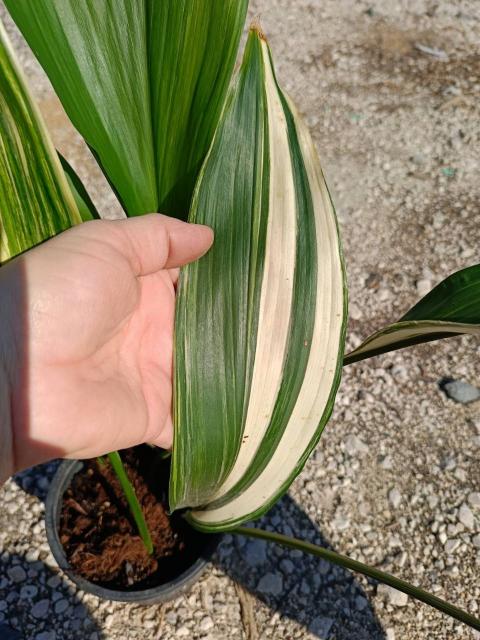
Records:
x=461, y=391
x=398, y=131
x=392, y=596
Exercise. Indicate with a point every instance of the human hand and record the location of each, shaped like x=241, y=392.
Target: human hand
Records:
x=86, y=337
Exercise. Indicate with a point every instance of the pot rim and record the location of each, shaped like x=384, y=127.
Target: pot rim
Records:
x=161, y=593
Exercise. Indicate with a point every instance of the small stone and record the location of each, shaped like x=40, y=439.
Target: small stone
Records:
x=476, y=541
x=460, y=391
x=32, y=555
x=394, y=497
x=40, y=609
x=182, y=632
x=28, y=591
x=360, y=603
x=80, y=612
x=355, y=446
x=465, y=516
x=474, y=499
x=390, y=634
x=271, y=584
x=255, y=553
x=423, y=286
x=287, y=566
x=17, y=574
x=433, y=501
x=61, y=606
x=46, y=635
x=206, y=624
x=392, y=596
x=171, y=617
x=340, y=522
x=320, y=626
x=3, y=605
x=54, y=581
x=452, y=545
x=386, y=462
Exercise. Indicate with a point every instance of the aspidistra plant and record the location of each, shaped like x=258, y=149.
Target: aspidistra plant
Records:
x=253, y=395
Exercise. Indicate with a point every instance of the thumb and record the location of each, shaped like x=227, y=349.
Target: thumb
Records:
x=153, y=242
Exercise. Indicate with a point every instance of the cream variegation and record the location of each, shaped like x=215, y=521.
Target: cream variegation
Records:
x=35, y=199
x=300, y=311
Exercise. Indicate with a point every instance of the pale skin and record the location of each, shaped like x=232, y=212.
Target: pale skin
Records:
x=86, y=339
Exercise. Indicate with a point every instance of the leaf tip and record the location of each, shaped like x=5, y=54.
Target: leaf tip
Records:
x=257, y=28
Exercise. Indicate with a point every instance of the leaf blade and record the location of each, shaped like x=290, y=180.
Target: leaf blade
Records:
x=278, y=385
x=35, y=200
x=451, y=308
x=142, y=81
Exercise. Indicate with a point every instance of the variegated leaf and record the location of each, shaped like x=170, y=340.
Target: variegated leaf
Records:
x=261, y=319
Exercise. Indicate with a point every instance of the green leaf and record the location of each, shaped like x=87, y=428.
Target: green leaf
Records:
x=260, y=319
x=132, y=500
x=83, y=201
x=35, y=200
x=143, y=81
x=451, y=308
x=366, y=570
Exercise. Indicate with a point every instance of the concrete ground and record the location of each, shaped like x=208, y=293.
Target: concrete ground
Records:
x=391, y=91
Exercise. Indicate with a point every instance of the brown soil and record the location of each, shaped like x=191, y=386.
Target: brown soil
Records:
x=99, y=535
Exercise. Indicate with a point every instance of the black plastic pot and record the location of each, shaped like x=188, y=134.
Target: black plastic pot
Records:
x=203, y=547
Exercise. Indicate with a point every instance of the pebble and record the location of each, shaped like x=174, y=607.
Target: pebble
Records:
x=182, y=632
x=355, y=446
x=476, y=541
x=271, y=584
x=390, y=634
x=61, y=606
x=320, y=626
x=40, y=609
x=423, y=287
x=28, y=591
x=206, y=624
x=394, y=497
x=360, y=603
x=17, y=574
x=255, y=553
x=474, y=499
x=460, y=391
x=452, y=545
x=392, y=596
x=287, y=566
x=465, y=516
x=46, y=635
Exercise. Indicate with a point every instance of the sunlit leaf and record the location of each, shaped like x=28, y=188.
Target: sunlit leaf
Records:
x=260, y=319
x=451, y=308
x=35, y=200
x=143, y=81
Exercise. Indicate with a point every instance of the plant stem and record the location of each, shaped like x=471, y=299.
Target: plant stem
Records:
x=132, y=500
x=371, y=572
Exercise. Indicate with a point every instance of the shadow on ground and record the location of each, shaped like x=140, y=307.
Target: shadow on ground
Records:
x=325, y=599
x=35, y=602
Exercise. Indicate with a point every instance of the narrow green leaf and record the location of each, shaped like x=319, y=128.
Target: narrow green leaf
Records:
x=132, y=500
x=260, y=319
x=366, y=570
x=35, y=200
x=143, y=81
x=83, y=201
x=451, y=308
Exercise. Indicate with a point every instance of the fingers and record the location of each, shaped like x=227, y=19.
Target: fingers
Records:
x=153, y=242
